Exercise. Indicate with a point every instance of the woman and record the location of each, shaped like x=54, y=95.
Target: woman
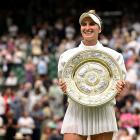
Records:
x=81, y=121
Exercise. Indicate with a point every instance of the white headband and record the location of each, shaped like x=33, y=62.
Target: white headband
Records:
x=95, y=19
x=92, y=16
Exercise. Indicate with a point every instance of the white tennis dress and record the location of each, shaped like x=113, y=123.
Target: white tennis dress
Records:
x=84, y=120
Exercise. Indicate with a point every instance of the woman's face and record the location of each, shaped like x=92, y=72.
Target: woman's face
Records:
x=89, y=29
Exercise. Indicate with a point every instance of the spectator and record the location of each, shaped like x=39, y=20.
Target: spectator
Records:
x=11, y=80
x=11, y=126
x=36, y=46
x=56, y=99
x=26, y=125
x=38, y=116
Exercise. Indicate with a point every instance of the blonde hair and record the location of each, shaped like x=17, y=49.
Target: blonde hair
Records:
x=91, y=12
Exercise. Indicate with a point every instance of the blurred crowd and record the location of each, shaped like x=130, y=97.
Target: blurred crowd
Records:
x=31, y=104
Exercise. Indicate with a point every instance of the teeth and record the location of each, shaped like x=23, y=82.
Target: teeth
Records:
x=88, y=32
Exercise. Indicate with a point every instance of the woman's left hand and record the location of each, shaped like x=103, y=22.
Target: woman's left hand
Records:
x=120, y=86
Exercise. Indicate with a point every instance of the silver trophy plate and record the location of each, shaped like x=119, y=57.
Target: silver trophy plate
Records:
x=91, y=77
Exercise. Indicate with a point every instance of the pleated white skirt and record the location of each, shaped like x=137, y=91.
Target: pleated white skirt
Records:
x=85, y=120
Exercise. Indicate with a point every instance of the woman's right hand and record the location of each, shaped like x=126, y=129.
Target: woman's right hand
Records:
x=62, y=85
